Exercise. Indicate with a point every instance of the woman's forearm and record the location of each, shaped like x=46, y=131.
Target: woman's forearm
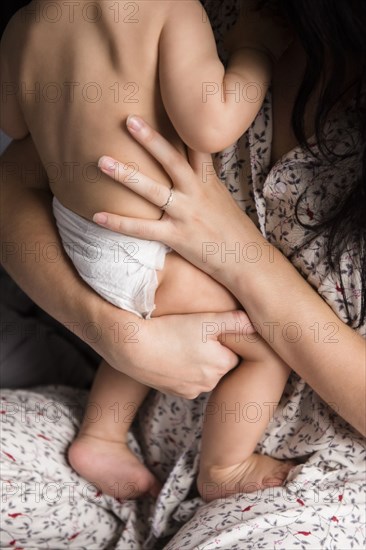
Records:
x=301, y=327
x=32, y=253
x=31, y=249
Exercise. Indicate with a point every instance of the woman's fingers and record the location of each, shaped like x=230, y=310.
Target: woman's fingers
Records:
x=128, y=174
x=152, y=230
x=183, y=174
x=175, y=165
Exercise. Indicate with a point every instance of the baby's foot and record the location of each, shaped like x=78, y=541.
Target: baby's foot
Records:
x=111, y=467
x=257, y=472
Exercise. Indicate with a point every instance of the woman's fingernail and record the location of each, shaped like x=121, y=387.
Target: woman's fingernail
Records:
x=134, y=123
x=100, y=218
x=107, y=164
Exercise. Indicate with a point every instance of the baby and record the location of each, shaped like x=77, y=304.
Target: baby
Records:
x=71, y=74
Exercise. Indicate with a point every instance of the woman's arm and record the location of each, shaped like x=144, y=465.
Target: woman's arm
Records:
x=166, y=353
x=205, y=225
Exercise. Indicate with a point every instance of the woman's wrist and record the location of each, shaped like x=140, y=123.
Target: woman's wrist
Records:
x=240, y=258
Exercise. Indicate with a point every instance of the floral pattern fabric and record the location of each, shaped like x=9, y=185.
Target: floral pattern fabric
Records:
x=322, y=504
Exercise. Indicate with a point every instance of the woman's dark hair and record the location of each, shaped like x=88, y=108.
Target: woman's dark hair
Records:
x=9, y=7
x=333, y=36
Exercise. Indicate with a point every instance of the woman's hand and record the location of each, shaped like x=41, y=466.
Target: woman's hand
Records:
x=175, y=354
x=201, y=210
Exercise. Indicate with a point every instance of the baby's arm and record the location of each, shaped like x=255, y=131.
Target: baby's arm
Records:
x=210, y=108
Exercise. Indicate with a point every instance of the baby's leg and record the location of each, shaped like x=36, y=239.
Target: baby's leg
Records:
x=100, y=452
x=230, y=433
x=238, y=411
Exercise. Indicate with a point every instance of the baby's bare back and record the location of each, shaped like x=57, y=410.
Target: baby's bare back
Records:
x=81, y=76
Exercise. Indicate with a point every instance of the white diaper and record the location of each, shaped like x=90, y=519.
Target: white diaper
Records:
x=121, y=269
